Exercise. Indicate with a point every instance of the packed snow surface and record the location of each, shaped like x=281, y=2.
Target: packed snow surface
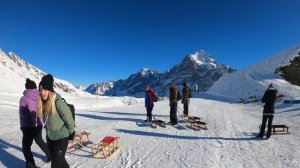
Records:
x=229, y=141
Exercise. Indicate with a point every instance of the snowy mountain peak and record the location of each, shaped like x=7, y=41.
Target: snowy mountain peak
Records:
x=80, y=87
x=147, y=71
x=16, y=59
x=16, y=69
x=197, y=69
x=201, y=57
x=99, y=88
x=2, y=54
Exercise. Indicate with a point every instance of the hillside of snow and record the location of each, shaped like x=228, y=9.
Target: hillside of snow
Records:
x=14, y=71
x=229, y=141
x=253, y=81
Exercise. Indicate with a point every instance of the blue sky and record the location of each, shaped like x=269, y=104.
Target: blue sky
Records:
x=87, y=41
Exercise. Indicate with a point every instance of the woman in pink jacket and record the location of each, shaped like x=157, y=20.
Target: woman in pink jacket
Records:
x=31, y=125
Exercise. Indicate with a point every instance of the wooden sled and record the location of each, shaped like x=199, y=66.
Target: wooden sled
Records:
x=106, y=148
x=154, y=123
x=278, y=129
x=195, y=123
x=193, y=119
x=80, y=139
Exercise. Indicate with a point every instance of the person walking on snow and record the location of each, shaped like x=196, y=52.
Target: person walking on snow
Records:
x=31, y=125
x=149, y=103
x=173, y=104
x=269, y=98
x=185, y=99
x=58, y=121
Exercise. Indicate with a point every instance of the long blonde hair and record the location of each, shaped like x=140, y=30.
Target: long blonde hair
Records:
x=46, y=107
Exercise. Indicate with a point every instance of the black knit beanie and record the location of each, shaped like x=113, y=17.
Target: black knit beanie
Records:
x=47, y=83
x=30, y=84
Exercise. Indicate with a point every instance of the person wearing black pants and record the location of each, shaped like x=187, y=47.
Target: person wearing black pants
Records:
x=185, y=100
x=173, y=104
x=30, y=124
x=58, y=119
x=30, y=134
x=173, y=114
x=58, y=150
x=266, y=118
x=269, y=98
x=149, y=103
x=149, y=114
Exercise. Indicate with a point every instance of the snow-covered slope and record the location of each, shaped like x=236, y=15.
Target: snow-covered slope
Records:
x=228, y=142
x=252, y=81
x=14, y=71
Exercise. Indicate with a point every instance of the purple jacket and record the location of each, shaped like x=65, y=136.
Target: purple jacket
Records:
x=28, y=109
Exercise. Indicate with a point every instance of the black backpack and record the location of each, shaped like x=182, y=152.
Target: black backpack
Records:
x=178, y=95
x=71, y=107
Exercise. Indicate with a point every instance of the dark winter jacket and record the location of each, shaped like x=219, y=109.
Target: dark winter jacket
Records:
x=28, y=109
x=269, y=99
x=173, y=94
x=185, y=95
x=149, y=98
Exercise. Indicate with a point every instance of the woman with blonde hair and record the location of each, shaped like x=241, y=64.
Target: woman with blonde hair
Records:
x=58, y=121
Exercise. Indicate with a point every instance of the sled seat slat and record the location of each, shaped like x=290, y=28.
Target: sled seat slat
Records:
x=105, y=148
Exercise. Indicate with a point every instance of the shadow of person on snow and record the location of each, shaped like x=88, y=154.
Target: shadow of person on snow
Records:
x=134, y=114
x=291, y=110
x=155, y=134
x=97, y=117
x=9, y=160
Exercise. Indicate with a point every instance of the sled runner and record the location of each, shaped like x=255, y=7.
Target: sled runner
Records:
x=107, y=147
x=80, y=139
x=279, y=129
x=193, y=119
x=154, y=123
x=195, y=123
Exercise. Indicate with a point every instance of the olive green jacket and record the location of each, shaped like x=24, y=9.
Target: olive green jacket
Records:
x=59, y=126
x=185, y=95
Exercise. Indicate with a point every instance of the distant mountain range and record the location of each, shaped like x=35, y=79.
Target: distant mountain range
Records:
x=199, y=70
x=99, y=88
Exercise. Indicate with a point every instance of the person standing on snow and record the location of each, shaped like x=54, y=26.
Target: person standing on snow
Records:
x=269, y=98
x=149, y=103
x=58, y=119
x=31, y=125
x=185, y=100
x=173, y=104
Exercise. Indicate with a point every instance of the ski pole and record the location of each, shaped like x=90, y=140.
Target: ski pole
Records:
x=185, y=122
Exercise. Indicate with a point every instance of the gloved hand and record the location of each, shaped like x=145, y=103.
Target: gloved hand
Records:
x=71, y=136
